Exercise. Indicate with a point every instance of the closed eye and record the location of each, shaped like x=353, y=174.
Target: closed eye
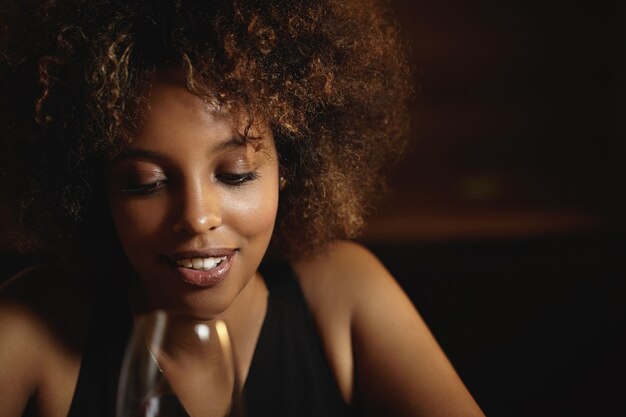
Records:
x=235, y=180
x=144, y=189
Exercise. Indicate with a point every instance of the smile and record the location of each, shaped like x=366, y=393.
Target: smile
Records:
x=200, y=264
x=204, y=268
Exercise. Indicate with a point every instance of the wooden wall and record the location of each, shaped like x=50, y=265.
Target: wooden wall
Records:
x=505, y=224
x=518, y=120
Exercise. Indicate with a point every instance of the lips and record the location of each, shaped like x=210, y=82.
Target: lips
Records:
x=203, y=264
x=201, y=268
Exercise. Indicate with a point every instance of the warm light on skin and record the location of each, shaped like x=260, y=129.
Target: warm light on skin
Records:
x=173, y=191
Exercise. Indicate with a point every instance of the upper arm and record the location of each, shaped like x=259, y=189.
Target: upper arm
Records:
x=398, y=367
x=42, y=320
x=19, y=362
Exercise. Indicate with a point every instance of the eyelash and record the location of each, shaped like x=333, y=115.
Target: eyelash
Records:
x=229, y=180
x=237, y=180
x=144, y=189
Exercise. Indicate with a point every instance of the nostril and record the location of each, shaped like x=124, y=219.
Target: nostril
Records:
x=198, y=207
x=197, y=224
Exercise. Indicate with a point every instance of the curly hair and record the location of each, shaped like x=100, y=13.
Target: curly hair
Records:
x=328, y=76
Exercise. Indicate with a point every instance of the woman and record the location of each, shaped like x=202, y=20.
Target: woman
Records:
x=210, y=157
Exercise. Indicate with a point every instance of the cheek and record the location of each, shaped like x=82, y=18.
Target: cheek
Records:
x=136, y=221
x=254, y=216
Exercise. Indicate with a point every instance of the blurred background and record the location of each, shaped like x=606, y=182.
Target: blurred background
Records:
x=505, y=221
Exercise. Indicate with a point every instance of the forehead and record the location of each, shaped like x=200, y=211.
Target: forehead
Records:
x=173, y=112
x=169, y=102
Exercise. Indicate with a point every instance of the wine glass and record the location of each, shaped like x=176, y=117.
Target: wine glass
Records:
x=175, y=365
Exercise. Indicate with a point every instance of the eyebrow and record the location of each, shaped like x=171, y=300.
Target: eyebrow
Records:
x=139, y=153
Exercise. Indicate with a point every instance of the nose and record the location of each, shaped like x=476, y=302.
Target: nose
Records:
x=198, y=211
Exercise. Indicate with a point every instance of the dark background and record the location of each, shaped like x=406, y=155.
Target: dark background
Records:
x=505, y=221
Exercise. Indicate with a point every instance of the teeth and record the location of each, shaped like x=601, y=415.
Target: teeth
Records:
x=200, y=263
x=209, y=263
x=196, y=263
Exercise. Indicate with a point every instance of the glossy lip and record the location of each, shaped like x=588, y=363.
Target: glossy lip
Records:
x=200, y=278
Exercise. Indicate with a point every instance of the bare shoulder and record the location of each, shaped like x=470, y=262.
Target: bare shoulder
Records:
x=338, y=283
x=43, y=294
x=389, y=361
x=43, y=318
x=343, y=266
x=347, y=280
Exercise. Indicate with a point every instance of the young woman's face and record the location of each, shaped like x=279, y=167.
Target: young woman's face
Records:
x=193, y=204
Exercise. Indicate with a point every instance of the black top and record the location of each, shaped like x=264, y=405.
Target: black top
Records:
x=289, y=375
